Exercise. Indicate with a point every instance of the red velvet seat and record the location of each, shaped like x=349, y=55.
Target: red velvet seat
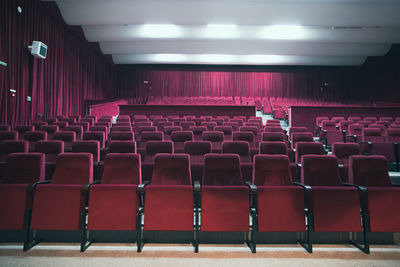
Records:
x=308, y=148
x=121, y=129
x=50, y=129
x=216, y=138
x=185, y=125
x=67, y=137
x=37, y=124
x=22, y=171
x=162, y=125
x=242, y=149
x=354, y=119
x=89, y=120
x=179, y=138
x=354, y=133
x=87, y=146
x=113, y=204
x=273, y=147
x=301, y=137
x=149, y=136
x=8, y=135
x=335, y=208
x=122, y=147
x=224, y=198
x=51, y=149
x=234, y=125
x=197, y=150
x=168, y=130
x=280, y=204
x=295, y=130
x=60, y=205
x=95, y=135
x=33, y=137
x=343, y=151
x=153, y=148
x=273, y=136
x=246, y=136
x=393, y=135
x=85, y=125
x=210, y=125
x=75, y=128
x=122, y=136
x=382, y=197
x=198, y=132
x=227, y=130
x=169, y=199
x=22, y=129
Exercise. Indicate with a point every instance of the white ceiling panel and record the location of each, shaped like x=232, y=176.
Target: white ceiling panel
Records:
x=249, y=32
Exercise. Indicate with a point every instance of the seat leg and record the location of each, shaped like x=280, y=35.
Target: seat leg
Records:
x=196, y=231
x=365, y=223
x=84, y=242
x=29, y=236
x=139, y=231
x=307, y=244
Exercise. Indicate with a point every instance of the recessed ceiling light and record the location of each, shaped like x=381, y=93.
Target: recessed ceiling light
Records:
x=222, y=26
x=283, y=32
x=160, y=31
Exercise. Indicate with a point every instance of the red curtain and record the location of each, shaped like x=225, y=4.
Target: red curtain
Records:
x=72, y=71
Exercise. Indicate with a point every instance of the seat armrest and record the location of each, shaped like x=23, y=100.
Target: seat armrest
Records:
x=251, y=186
x=86, y=187
x=359, y=187
x=141, y=186
x=305, y=187
x=365, y=142
x=196, y=186
x=32, y=187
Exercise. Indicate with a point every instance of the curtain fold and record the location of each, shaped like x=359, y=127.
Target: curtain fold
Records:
x=71, y=73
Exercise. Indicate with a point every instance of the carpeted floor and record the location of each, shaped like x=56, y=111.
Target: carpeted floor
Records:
x=183, y=255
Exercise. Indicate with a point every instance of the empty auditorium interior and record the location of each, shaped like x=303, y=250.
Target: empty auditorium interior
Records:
x=193, y=133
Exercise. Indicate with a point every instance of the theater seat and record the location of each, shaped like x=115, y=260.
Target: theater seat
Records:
x=179, y=138
x=169, y=199
x=153, y=148
x=113, y=204
x=335, y=208
x=280, y=204
x=17, y=188
x=308, y=148
x=372, y=173
x=224, y=197
x=241, y=148
x=216, y=138
x=197, y=150
x=343, y=151
x=60, y=205
x=51, y=149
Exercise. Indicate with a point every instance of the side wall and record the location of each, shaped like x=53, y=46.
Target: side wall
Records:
x=73, y=70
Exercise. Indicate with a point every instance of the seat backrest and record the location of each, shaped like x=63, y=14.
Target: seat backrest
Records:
x=318, y=120
x=21, y=129
x=338, y=119
x=210, y=125
x=154, y=147
x=236, y=147
x=75, y=128
x=308, y=148
x=24, y=168
x=37, y=124
x=273, y=128
x=169, y=129
x=53, y=147
x=243, y=136
x=73, y=168
x=88, y=146
x=389, y=119
x=95, y=135
x=344, y=125
x=273, y=136
x=186, y=124
x=213, y=136
x=252, y=129
x=182, y=136
x=273, y=147
x=34, y=136
x=354, y=118
x=393, y=135
x=343, y=151
x=234, y=125
x=198, y=130
x=66, y=136
x=356, y=129
x=13, y=146
x=142, y=129
x=372, y=135
x=122, y=147
x=171, y=170
x=163, y=124
x=271, y=170
x=328, y=125
x=8, y=135
x=320, y=170
x=50, y=129
x=369, y=170
x=84, y=124
x=301, y=137
x=122, y=136
x=122, y=168
x=373, y=119
x=197, y=147
x=156, y=136
x=121, y=129
x=222, y=169
x=226, y=129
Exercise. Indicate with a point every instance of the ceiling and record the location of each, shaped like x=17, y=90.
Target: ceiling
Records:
x=245, y=32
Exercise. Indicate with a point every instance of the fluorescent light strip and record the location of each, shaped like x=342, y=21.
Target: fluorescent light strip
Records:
x=222, y=26
x=160, y=31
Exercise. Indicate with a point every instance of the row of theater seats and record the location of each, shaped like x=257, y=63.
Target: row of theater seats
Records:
x=271, y=202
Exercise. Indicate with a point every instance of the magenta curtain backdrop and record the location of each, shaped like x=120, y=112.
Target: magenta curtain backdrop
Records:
x=303, y=83
x=72, y=71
